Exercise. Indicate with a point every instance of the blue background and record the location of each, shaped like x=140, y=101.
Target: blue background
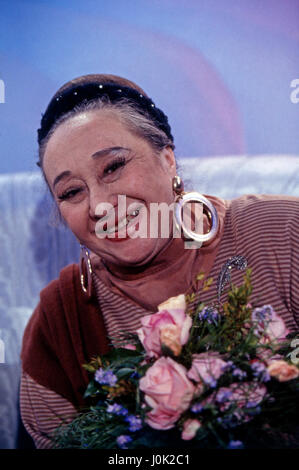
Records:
x=220, y=69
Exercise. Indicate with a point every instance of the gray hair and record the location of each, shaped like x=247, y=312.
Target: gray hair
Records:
x=138, y=123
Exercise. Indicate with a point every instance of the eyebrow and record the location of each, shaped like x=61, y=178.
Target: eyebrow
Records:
x=108, y=150
x=98, y=154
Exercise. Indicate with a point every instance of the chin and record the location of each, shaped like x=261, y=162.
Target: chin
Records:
x=132, y=252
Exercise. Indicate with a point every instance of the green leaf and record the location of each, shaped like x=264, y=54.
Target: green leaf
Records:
x=89, y=368
x=124, y=372
x=91, y=390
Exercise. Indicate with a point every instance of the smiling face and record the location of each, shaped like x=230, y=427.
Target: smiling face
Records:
x=93, y=158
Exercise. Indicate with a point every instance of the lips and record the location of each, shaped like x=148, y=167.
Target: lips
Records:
x=118, y=226
x=118, y=232
x=117, y=237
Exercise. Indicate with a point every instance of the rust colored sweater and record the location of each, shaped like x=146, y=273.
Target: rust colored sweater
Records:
x=58, y=338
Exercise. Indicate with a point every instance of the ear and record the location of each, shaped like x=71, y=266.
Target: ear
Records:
x=168, y=161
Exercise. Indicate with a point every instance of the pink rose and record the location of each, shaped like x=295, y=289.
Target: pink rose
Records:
x=153, y=326
x=283, y=371
x=170, y=337
x=162, y=418
x=173, y=303
x=129, y=346
x=269, y=324
x=167, y=391
x=206, y=367
x=190, y=428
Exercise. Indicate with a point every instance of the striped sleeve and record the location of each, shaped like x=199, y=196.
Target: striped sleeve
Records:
x=42, y=411
x=294, y=271
x=266, y=229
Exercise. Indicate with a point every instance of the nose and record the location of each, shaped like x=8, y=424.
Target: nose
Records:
x=100, y=200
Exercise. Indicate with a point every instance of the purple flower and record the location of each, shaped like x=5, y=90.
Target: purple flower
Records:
x=235, y=445
x=197, y=408
x=117, y=409
x=251, y=404
x=122, y=440
x=210, y=315
x=259, y=371
x=264, y=313
x=111, y=378
x=99, y=375
x=135, y=375
x=227, y=366
x=239, y=373
x=223, y=395
x=211, y=382
x=134, y=422
x=257, y=368
x=234, y=419
x=105, y=377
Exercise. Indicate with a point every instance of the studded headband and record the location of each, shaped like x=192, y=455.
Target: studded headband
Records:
x=76, y=95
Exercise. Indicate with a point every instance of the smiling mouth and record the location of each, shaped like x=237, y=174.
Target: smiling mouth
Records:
x=118, y=227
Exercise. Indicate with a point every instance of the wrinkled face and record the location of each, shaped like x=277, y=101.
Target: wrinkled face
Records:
x=93, y=159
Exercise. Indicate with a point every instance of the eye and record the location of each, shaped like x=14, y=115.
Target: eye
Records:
x=115, y=165
x=69, y=193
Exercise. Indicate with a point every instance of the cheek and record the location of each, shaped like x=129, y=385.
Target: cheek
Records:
x=75, y=218
x=152, y=185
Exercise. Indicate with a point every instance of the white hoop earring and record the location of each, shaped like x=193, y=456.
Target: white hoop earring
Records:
x=208, y=208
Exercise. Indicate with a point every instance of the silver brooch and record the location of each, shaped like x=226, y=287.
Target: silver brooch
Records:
x=238, y=262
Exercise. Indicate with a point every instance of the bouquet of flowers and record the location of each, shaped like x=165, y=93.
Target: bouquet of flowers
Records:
x=215, y=376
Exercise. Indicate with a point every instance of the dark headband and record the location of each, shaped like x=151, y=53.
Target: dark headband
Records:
x=79, y=94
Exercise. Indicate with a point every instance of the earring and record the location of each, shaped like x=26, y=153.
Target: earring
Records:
x=181, y=200
x=85, y=268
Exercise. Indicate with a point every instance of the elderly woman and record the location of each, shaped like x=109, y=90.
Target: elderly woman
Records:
x=102, y=144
